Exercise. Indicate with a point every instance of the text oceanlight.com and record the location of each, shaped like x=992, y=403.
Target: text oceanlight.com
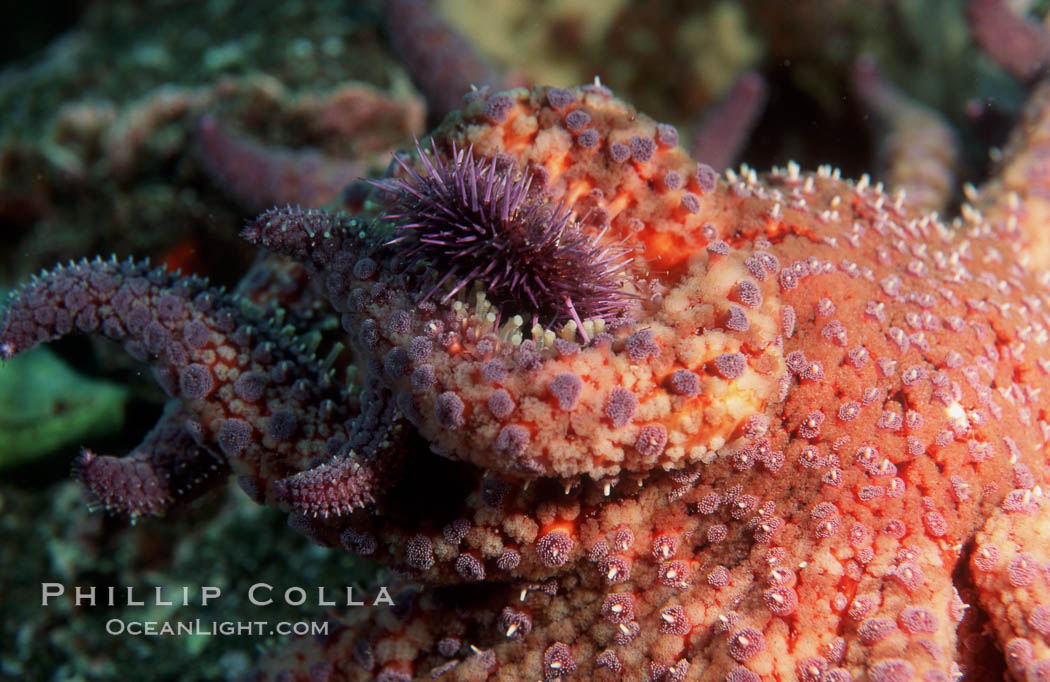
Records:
x=153, y=628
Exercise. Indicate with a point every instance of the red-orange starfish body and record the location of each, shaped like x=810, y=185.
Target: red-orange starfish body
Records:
x=771, y=463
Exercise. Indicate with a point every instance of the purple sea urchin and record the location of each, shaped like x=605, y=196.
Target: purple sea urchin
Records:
x=482, y=220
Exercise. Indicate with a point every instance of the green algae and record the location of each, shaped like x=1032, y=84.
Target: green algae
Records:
x=46, y=406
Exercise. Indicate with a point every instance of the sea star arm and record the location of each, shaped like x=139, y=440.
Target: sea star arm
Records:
x=918, y=152
x=627, y=392
x=256, y=175
x=373, y=455
x=251, y=394
x=1015, y=198
x=1017, y=44
x=168, y=468
x=1009, y=563
x=423, y=360
x=720, y=135
x=440, y=61
x=316, y=239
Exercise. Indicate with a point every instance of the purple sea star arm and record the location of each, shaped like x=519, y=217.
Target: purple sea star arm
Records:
x=917, y=148
x=440, y=61
x=334, y=244
x=1019, y=45
x=351, y=479
x=309, y=236
x=167, y=468
x=268, y=406
x=257, y=175
x=721, y=134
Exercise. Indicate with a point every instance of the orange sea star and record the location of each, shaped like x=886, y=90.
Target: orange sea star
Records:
x=772, y=464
